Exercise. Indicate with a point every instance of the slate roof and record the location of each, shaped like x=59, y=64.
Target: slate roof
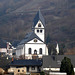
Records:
x=38, y=17
x=54, y=61
x=15, y=43
x=29, y=37
x=19, y=47
x=26, y=63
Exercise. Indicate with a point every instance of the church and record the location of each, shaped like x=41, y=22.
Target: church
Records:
x=34, y=42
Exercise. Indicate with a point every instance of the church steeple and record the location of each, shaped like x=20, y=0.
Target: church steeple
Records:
x=39, y=25
x=38, y=17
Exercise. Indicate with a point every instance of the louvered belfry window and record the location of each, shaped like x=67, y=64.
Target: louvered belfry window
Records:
x=39, y=25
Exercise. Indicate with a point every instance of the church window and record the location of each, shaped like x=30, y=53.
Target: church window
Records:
x=37, y=31
x=35, y=51
x=40, y=51
x=29, y=50
x=39, y=25
x=41, y=31
x=35, y=40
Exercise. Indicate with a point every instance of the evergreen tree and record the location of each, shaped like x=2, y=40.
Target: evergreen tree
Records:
x=66, y=66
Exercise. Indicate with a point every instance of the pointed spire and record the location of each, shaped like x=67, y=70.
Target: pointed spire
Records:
x=38, y=17
x=57, y=49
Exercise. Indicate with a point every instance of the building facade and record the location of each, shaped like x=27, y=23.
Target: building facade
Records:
x=34, y=42
x=25, y=66
x=6, y=48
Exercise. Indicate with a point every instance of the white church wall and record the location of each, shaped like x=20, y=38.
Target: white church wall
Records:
x=19, y=52
x=40, y=34
x=35, y=47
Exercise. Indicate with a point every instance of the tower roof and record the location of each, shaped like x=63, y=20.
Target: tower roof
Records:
x=39, y=17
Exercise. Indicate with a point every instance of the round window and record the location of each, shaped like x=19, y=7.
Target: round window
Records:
x=35, y=40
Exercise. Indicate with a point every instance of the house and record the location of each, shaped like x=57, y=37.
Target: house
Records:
x=53, y=62
x=21, y=70
x=25, y=66
x=34, y=42
x=6, y=48
x=10, y=49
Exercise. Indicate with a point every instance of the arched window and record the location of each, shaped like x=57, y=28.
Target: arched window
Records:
x=29, y=51
x=39, y=25
x=37, y=31
x=40, y=31
x=35, y=51
x=40, y=51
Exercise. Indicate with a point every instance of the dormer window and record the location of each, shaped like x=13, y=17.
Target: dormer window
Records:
x=39, y=25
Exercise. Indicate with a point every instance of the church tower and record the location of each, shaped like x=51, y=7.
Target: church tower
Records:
x=39, y=26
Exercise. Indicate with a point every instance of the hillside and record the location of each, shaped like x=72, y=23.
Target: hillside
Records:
x=16, y=19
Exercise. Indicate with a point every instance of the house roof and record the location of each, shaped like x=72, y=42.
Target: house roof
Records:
x=38, y=17
x=54, y=61
x=15, y=43
x=26, y=63
x=29, y=37
x=19, y=47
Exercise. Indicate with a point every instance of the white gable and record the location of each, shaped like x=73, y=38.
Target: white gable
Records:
x=35, y=40
x=38, y=24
